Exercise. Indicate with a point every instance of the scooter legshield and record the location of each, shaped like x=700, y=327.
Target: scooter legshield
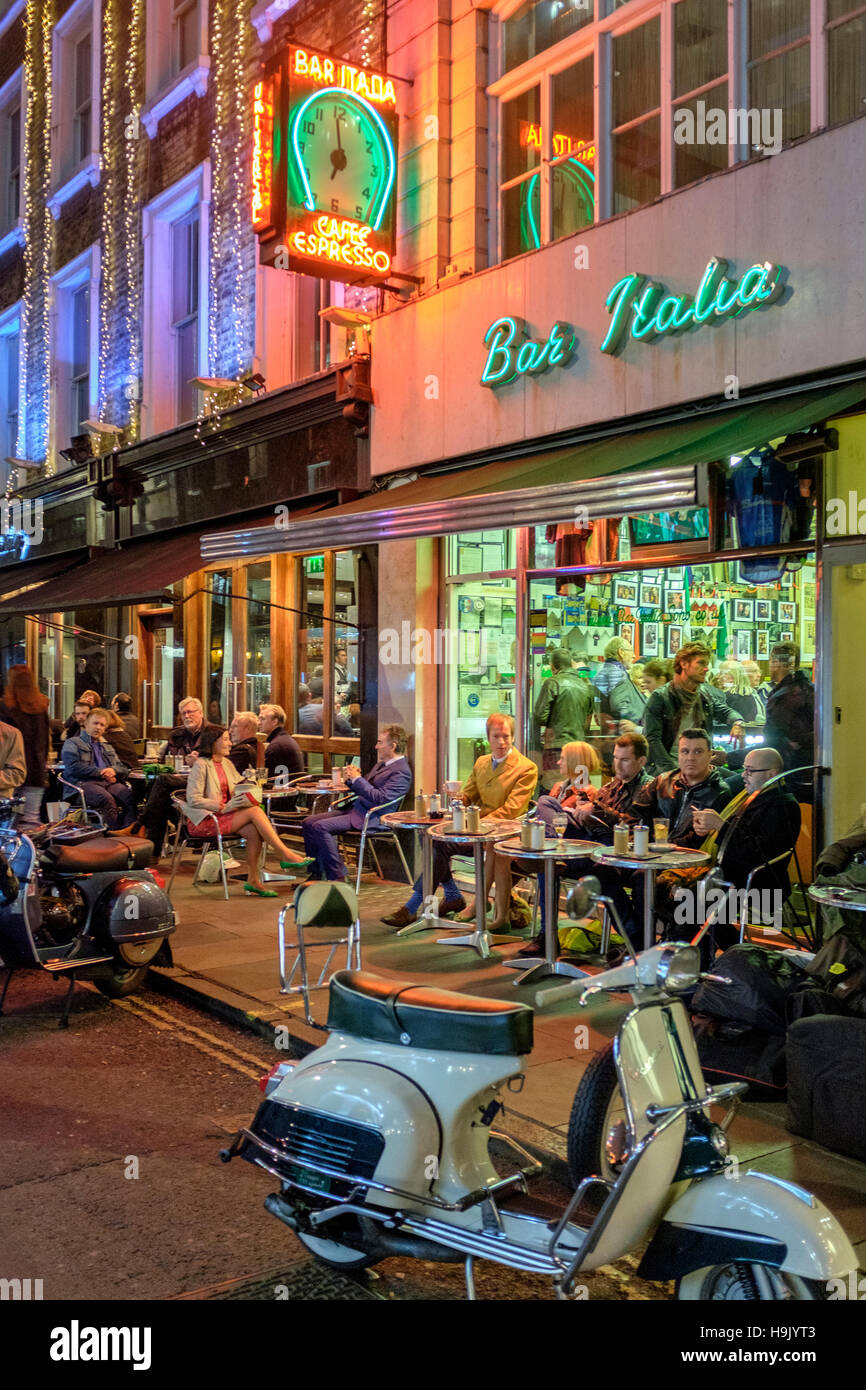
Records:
x=752, y=1217
x=356, y=1118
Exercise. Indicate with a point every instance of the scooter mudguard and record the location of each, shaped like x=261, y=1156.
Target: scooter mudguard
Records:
x=754, y=1218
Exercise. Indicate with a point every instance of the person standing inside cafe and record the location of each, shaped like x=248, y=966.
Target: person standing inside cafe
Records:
x=501, y=783
x=790, y=726
x=562, y=711
x=26, y=709
x=686, y=702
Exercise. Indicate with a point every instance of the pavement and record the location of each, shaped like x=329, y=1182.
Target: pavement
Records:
x=225, y=956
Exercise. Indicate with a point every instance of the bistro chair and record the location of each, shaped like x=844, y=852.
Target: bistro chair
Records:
x=324, y=906
x=73, y=795
x=368, y=835
x=212, y=840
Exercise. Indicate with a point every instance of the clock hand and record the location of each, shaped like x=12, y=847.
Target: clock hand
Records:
x=338, y=156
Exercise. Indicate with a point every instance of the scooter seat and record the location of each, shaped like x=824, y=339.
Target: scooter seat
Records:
x=392, y=1011
x=101, y=855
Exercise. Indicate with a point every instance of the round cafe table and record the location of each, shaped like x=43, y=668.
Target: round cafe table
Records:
x=831, y=895
x=674, y=858
x=491, y=831
x=553, y=851
x=413, y=820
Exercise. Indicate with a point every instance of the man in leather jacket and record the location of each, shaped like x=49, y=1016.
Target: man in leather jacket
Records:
x=790, y=721
x=685, y=702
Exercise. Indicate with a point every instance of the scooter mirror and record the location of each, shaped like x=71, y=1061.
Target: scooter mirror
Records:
x=582, y=896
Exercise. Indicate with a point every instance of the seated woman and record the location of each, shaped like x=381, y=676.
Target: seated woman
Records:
x=212, y=782
x=577, y=763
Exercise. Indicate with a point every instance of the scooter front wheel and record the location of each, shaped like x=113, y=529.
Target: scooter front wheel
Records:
x=598, y=1127
x=122, y=981
x=748, y=1283
x=337, y=1256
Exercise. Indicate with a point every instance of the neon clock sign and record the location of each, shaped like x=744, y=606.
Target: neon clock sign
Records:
x=325, y=167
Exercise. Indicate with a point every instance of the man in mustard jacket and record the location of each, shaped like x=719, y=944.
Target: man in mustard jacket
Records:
x=501, y=783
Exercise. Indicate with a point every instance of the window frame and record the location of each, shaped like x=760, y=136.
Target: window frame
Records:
x=68, y=174
x=596, y=40
x=12, y=95
x=159, y=403
x=82, y=270
x=10, y=326
x=167, y=85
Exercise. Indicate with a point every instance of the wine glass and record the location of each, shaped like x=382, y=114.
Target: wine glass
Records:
x=560, y=824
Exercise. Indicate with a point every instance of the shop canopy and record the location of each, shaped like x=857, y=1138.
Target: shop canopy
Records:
x=138, y=572
x=632, y=471
x=19, y=582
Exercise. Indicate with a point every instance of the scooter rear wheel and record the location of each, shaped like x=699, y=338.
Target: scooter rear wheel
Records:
x=337, y=1256
x=598, y=1126
x=740, y=1282
x=122, y=981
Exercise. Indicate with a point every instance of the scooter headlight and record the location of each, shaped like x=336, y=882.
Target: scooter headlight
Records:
x=679, y=968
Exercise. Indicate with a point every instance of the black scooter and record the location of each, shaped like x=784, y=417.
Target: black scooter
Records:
x=79, y=904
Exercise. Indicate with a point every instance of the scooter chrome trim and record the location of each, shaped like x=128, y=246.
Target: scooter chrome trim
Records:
x=245, y=1136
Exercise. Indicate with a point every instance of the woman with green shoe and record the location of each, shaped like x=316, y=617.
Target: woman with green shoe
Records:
x=213, y=781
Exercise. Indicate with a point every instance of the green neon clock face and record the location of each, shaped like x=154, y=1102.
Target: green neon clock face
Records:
x=343, y=158
x=573, y=192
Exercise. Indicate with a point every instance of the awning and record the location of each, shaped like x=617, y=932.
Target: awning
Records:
x=141, y=571
x=19, y=581
x=630, y=471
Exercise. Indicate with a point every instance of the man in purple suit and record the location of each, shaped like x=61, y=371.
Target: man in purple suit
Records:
x=389, y=779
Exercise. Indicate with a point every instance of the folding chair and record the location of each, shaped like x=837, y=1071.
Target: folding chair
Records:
x=319, y=905
x=368, y=836
x=210, y=840
x=73, y=790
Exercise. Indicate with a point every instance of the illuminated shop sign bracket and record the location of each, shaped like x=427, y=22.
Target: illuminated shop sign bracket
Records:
x=325, y=167
x=643, y=308
x=512, y=353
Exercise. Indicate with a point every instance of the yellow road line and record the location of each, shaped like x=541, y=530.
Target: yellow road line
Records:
x=171, y=1021
x=220, y=1053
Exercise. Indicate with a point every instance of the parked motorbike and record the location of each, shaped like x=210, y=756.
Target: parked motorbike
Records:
x=380, y=1143
x=79, y=904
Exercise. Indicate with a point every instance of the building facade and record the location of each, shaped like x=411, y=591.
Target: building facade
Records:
x=624, y=287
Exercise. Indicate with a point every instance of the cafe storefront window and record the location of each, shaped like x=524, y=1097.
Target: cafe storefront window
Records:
x=327, y=709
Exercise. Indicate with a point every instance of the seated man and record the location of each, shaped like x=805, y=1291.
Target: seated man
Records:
x=593, y=817
x=675, y=797
x=389, y=779
x=242, y=732
x=182, y=740
x=283, y=757
x=745, y=834
x=92, y=764
x=501, y=783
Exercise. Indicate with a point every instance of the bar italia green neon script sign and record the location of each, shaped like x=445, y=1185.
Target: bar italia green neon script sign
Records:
x=644, y=308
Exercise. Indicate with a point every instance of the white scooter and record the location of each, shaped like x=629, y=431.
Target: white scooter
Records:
x=379, y=1141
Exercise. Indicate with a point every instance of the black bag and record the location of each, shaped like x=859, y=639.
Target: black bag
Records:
x=827, y=1083
x=840, y=969
x=761, y=982
x=729, y=1052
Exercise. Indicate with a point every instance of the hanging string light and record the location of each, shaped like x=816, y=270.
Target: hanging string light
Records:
x=110, y=202
x=229, y=307
x=34, y=375
x=133, y=81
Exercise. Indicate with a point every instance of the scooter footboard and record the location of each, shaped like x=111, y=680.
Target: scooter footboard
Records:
x=752, y=1217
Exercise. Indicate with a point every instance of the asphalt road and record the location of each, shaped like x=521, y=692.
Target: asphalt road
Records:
x=110, y=1182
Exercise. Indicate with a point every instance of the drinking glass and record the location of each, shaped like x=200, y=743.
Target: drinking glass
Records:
x=660, y=831
x=560, y=825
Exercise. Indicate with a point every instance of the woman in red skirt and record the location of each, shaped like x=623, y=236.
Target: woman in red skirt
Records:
x=213, y=781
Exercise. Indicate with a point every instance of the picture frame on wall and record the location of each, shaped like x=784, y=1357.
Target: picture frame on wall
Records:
x=649, y=645
x=808, y=596
x=807, y=638
x=762, y=645
x=744, y=610
x=628, y=632
x=786, y=635
x=743, y=645
x=675, y=576
x=786, y=612
x=675, y=601
x=763, y=610
x=675, y=638
x=702, y=574
x=625, y=591
x=650, y=596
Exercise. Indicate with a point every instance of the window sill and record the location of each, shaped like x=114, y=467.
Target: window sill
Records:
x=88, y=172
x=13, y=237
x=9, y=18
x=265, y=15
x=191, y=82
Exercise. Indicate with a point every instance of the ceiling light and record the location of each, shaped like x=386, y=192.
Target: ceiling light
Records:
x=346, y=318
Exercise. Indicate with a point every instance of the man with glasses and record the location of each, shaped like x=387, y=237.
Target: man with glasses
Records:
x=751, y=830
